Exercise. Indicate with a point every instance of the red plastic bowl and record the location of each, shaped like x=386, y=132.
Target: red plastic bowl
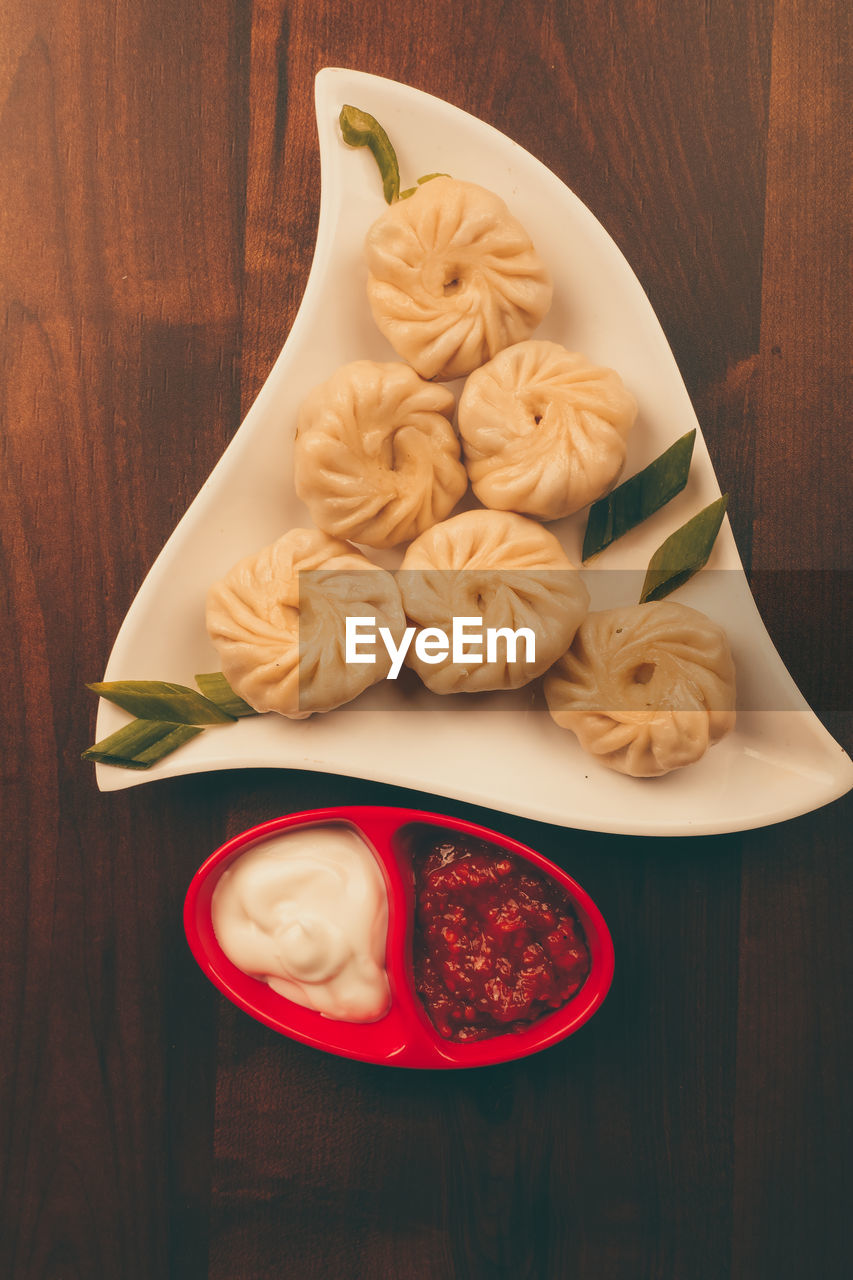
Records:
x=404, y=1036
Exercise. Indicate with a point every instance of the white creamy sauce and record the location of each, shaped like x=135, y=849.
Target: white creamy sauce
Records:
x=307, y=912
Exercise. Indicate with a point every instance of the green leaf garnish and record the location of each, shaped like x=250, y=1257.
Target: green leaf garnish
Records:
x=639, y=497
x=141, y=743
x=684, y=552
x=168, y=715
x=157, y=700
x=360, y=129
x=427, y=177
x=215, y=687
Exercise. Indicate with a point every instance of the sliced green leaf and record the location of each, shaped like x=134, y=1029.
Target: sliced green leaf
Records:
x=639, y=497
x=684, y=552
x=360, y=129
x=426, y=177
x=215, y=687
x=141, y=743
x=158, y=700
x=180, y=734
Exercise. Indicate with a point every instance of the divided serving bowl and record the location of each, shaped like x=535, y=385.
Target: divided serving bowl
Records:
x=404, y=1036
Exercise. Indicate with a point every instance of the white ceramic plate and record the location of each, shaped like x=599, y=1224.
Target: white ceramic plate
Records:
x=502, y=750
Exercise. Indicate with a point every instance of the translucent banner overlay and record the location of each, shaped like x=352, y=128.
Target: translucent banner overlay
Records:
x=523, y=639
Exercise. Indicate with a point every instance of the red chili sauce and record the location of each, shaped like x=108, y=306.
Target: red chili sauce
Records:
x=496, y=944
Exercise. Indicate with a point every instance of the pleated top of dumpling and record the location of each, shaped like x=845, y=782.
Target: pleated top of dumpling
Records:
x=544, y=430
x=647, y=688
x=376, y=458
x=511, y=575
x=278, y=621
x=453, y=278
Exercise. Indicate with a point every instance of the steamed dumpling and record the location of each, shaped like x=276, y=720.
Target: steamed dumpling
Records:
x=504, y=569
x=543, y=430
x=647, y=688
x=453, y=278
x=281, y=637
x=376, y=458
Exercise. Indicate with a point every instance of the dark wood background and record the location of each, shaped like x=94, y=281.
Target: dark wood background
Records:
x=160, y=191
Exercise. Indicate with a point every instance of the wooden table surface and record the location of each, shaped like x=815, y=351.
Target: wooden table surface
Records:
x=158, y=215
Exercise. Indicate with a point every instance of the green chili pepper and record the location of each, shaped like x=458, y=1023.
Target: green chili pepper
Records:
x=360, y=129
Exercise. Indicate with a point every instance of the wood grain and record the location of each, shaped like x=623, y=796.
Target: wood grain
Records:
x=156, y=233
